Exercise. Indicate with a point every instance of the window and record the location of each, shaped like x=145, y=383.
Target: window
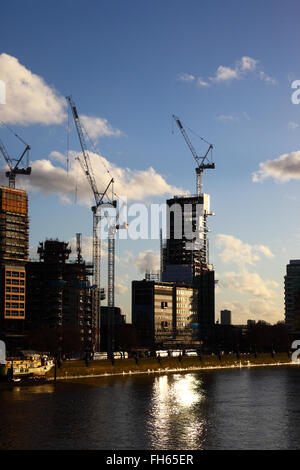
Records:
x=164, y=305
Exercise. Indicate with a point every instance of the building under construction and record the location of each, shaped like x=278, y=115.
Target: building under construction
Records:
x=185, y=257
x=60, y=297
x=14, y=235
x=185, y=250
x=181, y=308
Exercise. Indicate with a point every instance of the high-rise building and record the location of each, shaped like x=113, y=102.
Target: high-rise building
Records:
x=185, y=251
x=108, y=328
x=14, y=236
x=225, y=317
x=292, y=296
x=59, y=294
x=165, y=314
x=185, y=257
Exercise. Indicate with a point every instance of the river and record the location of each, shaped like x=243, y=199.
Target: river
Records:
x=255, y=408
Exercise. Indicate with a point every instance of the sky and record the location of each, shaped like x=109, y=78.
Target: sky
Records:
x=226, y=68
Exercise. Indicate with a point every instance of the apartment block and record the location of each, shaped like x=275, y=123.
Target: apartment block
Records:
x=165, y=314
x=14, y=236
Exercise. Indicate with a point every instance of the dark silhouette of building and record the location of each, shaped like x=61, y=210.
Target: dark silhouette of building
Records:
x=14, y=228
x=185, y=257
x=109, y=328
x=166, y=314
x=60, y=296
x=185, y=251
x=225, y=317
x=292, y=297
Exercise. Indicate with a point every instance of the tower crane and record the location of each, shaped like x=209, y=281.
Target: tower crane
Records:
x=203, y=163
x=101, y=200
x=13, y=163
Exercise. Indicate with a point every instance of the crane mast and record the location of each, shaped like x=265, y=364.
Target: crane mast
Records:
x=113, y=226
x=100, y=202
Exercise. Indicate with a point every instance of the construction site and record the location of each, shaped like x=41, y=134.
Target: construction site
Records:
x=54, y=303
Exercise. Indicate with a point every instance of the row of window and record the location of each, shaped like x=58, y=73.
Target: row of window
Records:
x=15, y=313
x=15, y=297
x=14, y=305
x=15, y=274
x=15, y=289
x=15, y=282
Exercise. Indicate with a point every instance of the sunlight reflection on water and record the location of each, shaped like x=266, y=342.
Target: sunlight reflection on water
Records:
x=174, y=416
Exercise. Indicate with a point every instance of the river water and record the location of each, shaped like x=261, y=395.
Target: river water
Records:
x=255, y=408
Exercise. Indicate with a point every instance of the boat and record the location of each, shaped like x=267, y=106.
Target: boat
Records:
x=17, y=368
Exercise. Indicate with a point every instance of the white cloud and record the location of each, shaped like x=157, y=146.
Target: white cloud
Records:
x=284, y=168
x=250, y=283
x=47, y=177
x=225, y=74
x=98, y=127
x=235, y=251
x=148, y=260
x=264, y=293
x=247, y=63
x=185, y=77
x=293, y=125
x=201, y=82
x=266, y=78
x=226, y=118
x=244, y=66
x=29, y=99
x=120, y=287
x=58, y=157
x=255, y=309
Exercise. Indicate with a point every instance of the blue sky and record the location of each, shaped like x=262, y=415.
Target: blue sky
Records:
x=135, y=63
